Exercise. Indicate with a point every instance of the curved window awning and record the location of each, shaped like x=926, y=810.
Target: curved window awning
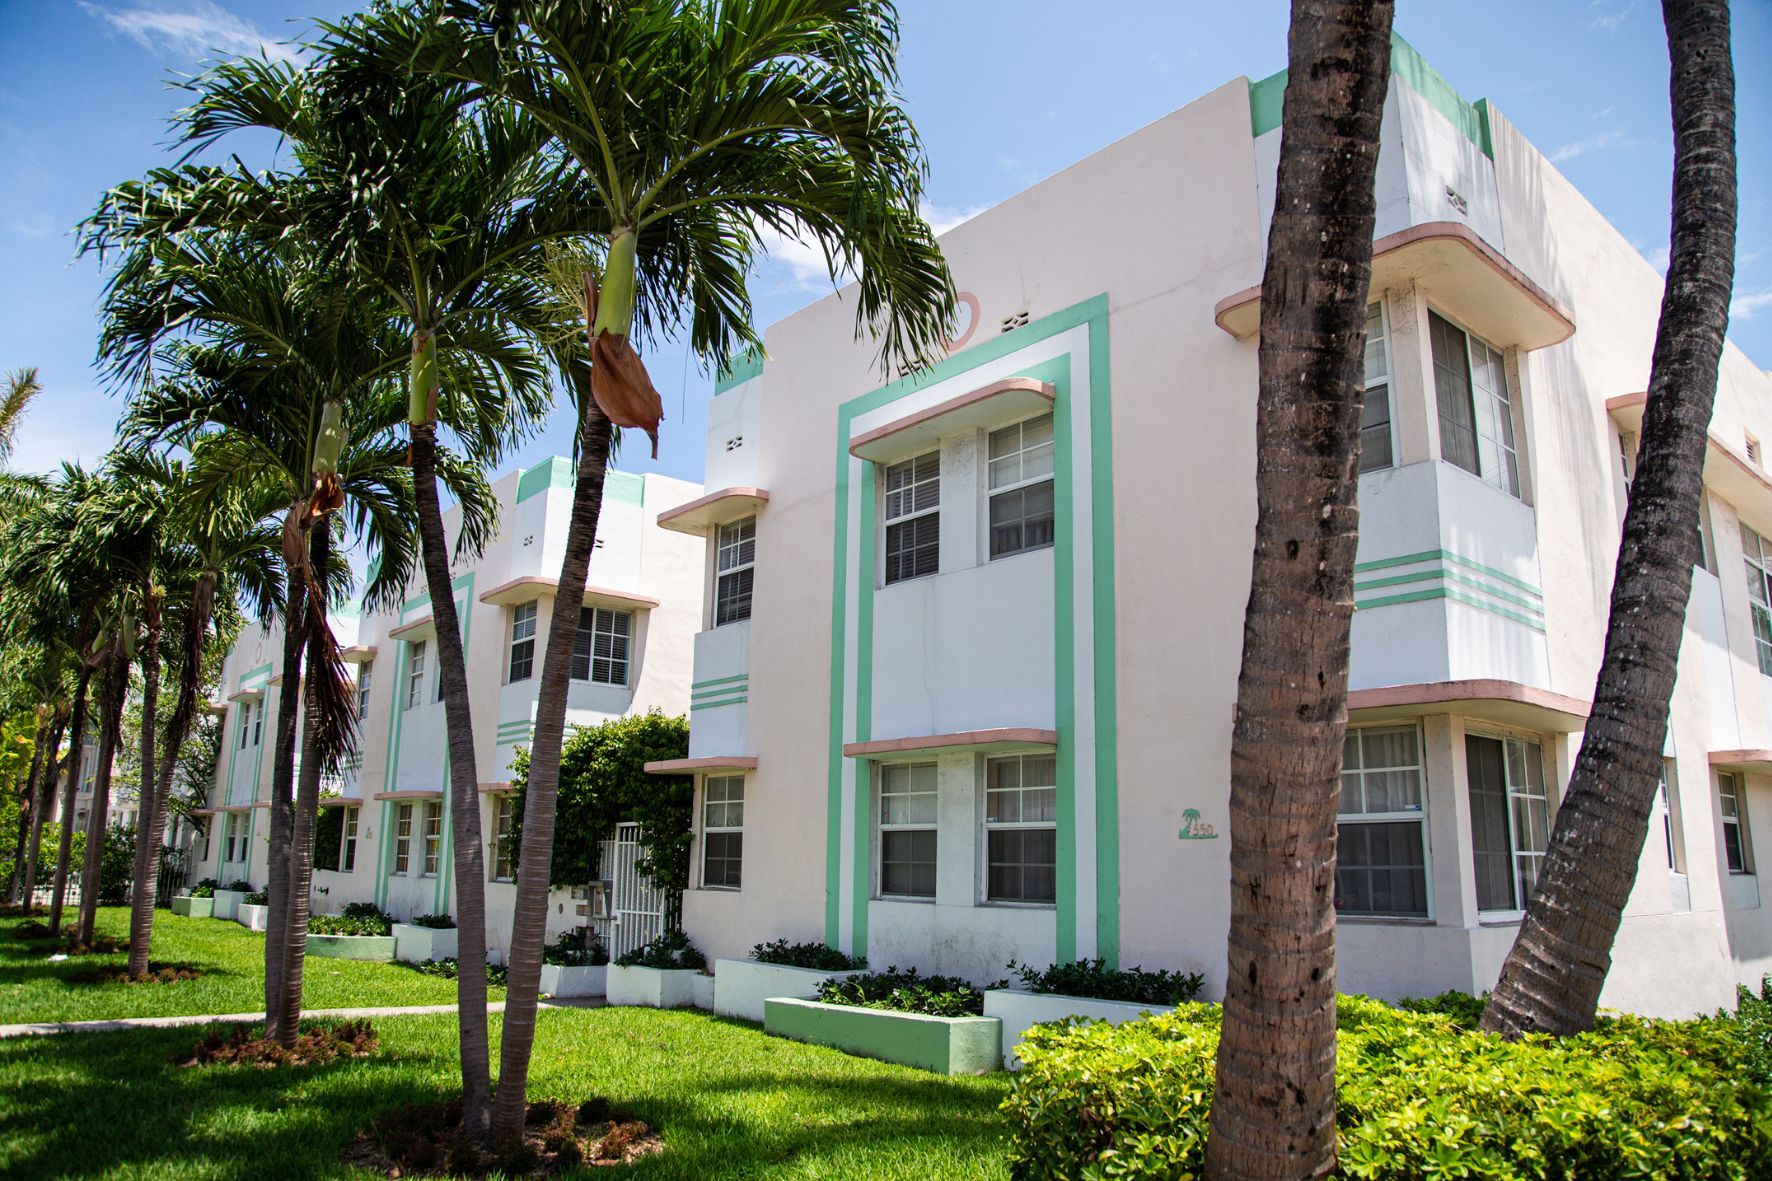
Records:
x=1003, y=740
x=340, y=801
x=1506, y=703
x=713, y=510
x=994, y=405
x=705, y=765
x=411, y=793
x=530, y=587
x=1727, y=472
x=358, y=654
x=1756, y=761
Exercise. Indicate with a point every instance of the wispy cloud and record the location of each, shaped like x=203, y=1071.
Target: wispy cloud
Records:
x=1750, y=304
x=189, y=29
x=1604, y=141
x=1608, y=15
x=799, y=262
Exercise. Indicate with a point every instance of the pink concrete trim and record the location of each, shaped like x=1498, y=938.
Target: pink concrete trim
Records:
x=502, y=593
x=411, y=793
x=1626, y=410
x=1452, y=692
x=1751, y=759
x=246, y=695
x=215, y=707
x=407, y=629
x=358, y=653
x=705, y=763
x=494, y=789
x=996, y=389
x=715, y=508
x=517, y=590
x=1005, y=736
x=340, y=801
x=604, y=594
x=1431, y=231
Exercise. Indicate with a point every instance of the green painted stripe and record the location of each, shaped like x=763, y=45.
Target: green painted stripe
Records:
x=862, y=863
x=1107, y=694
x=1064, y=648
x=719, y=681
x=1440, y=574
x=263, y=672
x=1423, y=596
x=833, y=841
x=554, y=472
x=697, y=706
x=1442, y=555
x=740, y=369
x=721, y=691
x=624, y=488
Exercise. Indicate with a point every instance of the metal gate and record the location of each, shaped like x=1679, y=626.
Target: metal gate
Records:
x=636, y=906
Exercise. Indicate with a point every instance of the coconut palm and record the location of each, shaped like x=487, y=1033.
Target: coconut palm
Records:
x=20, y=387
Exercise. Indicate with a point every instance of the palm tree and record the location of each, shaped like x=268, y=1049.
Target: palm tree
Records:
x=1273, y=1107
x=697, y=129
x=21, y=386
x=1551, y=980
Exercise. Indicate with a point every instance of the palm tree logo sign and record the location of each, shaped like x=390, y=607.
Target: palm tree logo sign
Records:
x=1195, y=829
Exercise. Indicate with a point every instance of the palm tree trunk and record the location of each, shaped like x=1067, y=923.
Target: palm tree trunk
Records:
x=282, y=819
x=307, y=804
x=44, y=800
x=98, y=813
x=464, y=793
x=529, y=916
x=65, y=845
x=1551, y=980
x=148, y=820
x=28, y=815
x=1273, y=1113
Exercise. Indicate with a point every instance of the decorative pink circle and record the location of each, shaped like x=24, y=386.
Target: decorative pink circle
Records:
x=971, y=301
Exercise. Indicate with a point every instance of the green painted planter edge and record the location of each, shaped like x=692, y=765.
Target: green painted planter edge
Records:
x=352, y=947
x=193, y=908
x=945, y=1045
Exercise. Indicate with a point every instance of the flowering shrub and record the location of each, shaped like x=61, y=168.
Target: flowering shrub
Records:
x=204, y=888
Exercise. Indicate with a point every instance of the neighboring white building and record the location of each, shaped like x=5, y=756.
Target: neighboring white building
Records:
x=642, y=606
x=964, y=684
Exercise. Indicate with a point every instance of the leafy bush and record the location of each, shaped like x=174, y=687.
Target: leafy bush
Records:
x=1418, y=1096
x=371, y=923
x=242, y=885
x=1464, y=1009
x=806, y=955
x=1094, y=979
x=436, y=922
x=905, y=992
x=204, y=888
x=670, y=950
x=116, y=865
x=576, y=949
x=257, y=898
x=363, y=910
x=329, y=832
x=1752, y=1026
x=450, y=969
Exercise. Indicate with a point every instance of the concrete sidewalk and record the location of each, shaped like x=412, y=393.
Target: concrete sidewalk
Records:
x=46, y=1028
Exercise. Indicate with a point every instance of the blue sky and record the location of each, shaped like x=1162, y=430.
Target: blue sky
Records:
x=1005, y=92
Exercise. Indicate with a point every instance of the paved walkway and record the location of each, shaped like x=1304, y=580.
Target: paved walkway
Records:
x=44, y=1028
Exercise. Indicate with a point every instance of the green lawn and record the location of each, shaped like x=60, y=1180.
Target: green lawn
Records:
x=730, y=1101
x=230, y=957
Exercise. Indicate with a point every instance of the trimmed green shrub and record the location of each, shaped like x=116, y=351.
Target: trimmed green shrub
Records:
x=204, y=888
x=668, y=951
x=450, y=969
x=359, y=918
x=435, y=922
x=1464, y=1009
x=1418, y=1096
x=576, y=949
x=905, y=992
x=242, y=885
x=257, y=898
x=1095, y=980
x=806, y=955
x=116, y=865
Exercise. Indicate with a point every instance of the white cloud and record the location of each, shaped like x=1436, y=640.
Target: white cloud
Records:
x=1608, y=16
x=797, y=261
x=189, y=29
x=1593, y=143
x=1749, y=304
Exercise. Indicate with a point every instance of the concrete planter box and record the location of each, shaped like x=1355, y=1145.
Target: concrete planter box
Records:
x=574, y=980
x=654, y=988
x=741, y=986
x=253, y=918
x=415, y=945
x=352, y=947
x=1021, y=1010
x=227, y=903
x=945, y=1045
x=193, y=908
x=702, y=992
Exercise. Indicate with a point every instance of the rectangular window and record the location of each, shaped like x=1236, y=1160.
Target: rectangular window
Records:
x=1732, y=798
x=504, y=822
x=913, y=518
x=522, y=663
x=1381, y=832
x=415, y=674
x=907, y=830
x=433, y=838
x=1021, y=829
x=236, y=837
x=1759, y=589
x=1662, y=819
x=403, y=838
x=1021, y=487
x=1510, y=818
x=365, y=672
x=347, y=848
x=1476, y=409
x=245, y=725
x=600, y=650
x=722, y=832
x=1375, y=421
x=734, y=564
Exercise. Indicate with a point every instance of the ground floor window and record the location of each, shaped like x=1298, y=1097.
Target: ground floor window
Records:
x=347, y=847
x=1381, y=833
x=907, y=841
x=236, y=837
x=1510, y=818
x=504, y=824
x=1021, y=829
x=1732, y=797
x=403, y=838
x=722, y=832
x=433, y=839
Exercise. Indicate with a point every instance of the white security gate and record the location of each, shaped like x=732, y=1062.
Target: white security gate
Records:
x=636, y=906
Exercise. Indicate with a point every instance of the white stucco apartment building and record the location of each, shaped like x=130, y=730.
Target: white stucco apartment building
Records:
x=964, y=684
x=642, y=607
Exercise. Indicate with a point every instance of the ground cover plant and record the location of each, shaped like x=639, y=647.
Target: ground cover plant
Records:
x=317, y=1044
x=729, y=1100
x=359, y=918
x=435, y=922
x=449, y=968
x=807, y=955
x=204, y=888
x=231, y=959
x=1093, y=978
x=905, y=992
x=670, y=950
x=1419, y=1094
x=576, y=949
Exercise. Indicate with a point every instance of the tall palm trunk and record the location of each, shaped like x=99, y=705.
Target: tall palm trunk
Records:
x=149, y=821
x=65, y=845
x=1273, y=1112
x=282, y=820
x=28, y=815
x=1551, y=980
x=307, y=803
x=529, y=916
x=44, y=802
x=464, y=793
x=98, y=813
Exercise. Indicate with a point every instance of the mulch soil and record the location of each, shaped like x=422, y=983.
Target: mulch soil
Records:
x=319, y=1045
x=157, y=974
x=426, y=1141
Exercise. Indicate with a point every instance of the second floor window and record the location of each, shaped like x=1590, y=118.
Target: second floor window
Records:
x=415, y=674
x=1021, y=487
x=600, y=650
x=1375, y=422
x=1759, y=588
x=522, y=641
x=734, y=563
x=913, y=517
x=365, y=672
x=245, y=725
x=1476, y=409
x=1732, y=799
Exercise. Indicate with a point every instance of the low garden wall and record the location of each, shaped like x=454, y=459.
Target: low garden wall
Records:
x=653, y=988
x=352, y=947
x=945, y=1045
x=1021, y=1010
x=252, y=917
x=574, y=979
x=194, y=908
x=416, y=945
x=741, y=986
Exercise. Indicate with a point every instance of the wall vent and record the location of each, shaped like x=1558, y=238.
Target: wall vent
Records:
x=1018, y=320
x=735, y=442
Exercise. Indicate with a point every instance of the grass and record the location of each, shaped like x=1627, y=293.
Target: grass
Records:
x=230, y=957
x=730, y=1101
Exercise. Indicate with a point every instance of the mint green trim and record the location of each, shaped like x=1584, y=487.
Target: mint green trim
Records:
x=944, y=1045
x=1443, y=555
x=554, y=472
x=742, y=368
x=861, y=869
x=1107, y=680
x=233, y=755
x=719, y=681
x=1266, y=103
x=721, y=691
x=1455, y=596
x=397, y=702
x=253, y=674
x=423, y=599
x=697, y=706
x=1437, y=575
x=386, y=860
x=624, y=488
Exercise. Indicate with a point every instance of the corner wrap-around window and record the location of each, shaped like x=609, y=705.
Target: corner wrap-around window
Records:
x=1758, y=556
x=1021, y=829
x=433, y=839
x=522, y=664
x=907, y=830
x=1510, y=818
x=913, y=517
x=403, y=838
x=1021, y=487
x=735, y=560
x=1732, y=801
x=415, y=674
x=722, y=832
x=504, y=818
x=1476, y=409
x=600, y=650
x=1375, y=422
x=1381, y=833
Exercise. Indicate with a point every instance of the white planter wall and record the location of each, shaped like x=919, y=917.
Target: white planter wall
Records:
x=415, y=945
x=580, y=980
x=741, y=986
x=702, y=992
x=654, y=988
x=1020, y=1011
x=253, y=918
x=227, y=903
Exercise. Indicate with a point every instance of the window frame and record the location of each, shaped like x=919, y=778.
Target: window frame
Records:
x=1389, y=381
x=912, y=518
x=587, y=640
x=1732, y=809
x=727, y=829
x=522, y=642
x=1022, y=484
x=740, y=566
x=987, y=826
x=402, y=842
x=431, y=840
x=1515, y=482
x=501, y=867
x=415, y=672
x=365, y=679
x=1417, y=816
x=1510, y=794
x=246, y=724
x=882, y=828
x=1758, y=559
x=347, y=839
